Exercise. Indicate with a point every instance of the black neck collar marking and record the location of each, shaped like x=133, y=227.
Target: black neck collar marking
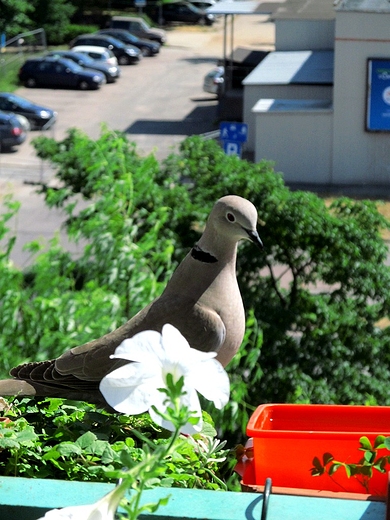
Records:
x=198, y=254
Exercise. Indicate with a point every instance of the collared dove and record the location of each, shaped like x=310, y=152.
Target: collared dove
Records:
x=202, y=300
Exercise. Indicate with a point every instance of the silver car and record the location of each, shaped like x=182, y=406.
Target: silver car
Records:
x=214, y=80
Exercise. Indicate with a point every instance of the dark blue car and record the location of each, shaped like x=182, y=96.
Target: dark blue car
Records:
x=58, y=72
x=125, y=54
x=147, y=47
x=38, y=116
x=11, y=131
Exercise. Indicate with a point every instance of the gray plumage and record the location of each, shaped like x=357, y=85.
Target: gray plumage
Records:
x=202, y=300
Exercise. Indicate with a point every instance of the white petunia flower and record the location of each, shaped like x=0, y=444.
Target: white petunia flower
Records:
x=134, y=388
x=104, y=509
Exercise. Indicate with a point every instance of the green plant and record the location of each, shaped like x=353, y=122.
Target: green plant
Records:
x=149, y=470
x=9, y=73
x=72, y=30
x=61, y=301
x=373, y=459
x=65, y=440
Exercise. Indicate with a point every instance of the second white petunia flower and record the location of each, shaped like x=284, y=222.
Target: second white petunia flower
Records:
x=134, y=388
x=104, y=509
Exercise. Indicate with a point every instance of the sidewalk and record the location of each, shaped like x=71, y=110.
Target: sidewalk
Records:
x=252, y=31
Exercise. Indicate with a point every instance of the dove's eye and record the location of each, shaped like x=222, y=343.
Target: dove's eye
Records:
x=230, y=217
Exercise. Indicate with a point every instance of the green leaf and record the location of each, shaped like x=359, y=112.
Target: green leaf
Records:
x=152, y=507
x=379, y=442
x=349, y=468
x=386, y=442
x=326, y=458
x=369, y=456
x=52, y=454
x=87, y=440
x=108, y=455
x=367, y=471
x=334, y=467
x=318, y=469
x=380, y=464
x=67, y=449
x=365, y=443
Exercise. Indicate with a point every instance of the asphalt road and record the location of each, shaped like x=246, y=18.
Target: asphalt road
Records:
x=157, y=102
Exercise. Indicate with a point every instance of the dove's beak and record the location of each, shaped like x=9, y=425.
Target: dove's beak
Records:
x=254, y=237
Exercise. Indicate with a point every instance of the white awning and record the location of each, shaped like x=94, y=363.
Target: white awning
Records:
x=238, y=7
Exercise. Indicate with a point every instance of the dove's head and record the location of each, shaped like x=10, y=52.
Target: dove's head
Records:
x=235, y=218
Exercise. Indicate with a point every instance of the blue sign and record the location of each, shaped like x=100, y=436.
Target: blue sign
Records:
x=378, y=95
x=230, y=131
x=232, y=147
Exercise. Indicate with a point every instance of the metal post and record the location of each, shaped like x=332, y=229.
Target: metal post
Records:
x=224, y=53
x=231, y=52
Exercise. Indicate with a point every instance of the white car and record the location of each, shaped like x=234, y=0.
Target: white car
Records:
x=97, y=53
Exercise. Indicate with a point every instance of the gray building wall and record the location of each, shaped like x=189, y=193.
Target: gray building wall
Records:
x=287, y=75
x=296, y=35
x=332, y=147
x=254, y=93
x=358, y=156
x=302, y=150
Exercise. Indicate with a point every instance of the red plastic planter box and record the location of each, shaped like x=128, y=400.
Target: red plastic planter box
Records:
x=287, y=437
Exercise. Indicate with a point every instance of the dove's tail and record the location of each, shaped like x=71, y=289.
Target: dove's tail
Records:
x=16, y=387
x=19, y=387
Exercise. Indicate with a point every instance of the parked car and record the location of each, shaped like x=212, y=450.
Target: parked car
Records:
x=100, y=54
x=138, y=27
x=38, y=116
x=147, y=47
x=24, y=122
x=214, y=80
x=11, y=131
x=182, y=12
x=111, y=72
x=125, y=54
x=58, y=72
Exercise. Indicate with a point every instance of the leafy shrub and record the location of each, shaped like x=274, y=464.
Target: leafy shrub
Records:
x=72, y=30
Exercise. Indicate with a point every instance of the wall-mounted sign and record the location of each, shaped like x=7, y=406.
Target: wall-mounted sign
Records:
x=378, y=95
x=232, y=136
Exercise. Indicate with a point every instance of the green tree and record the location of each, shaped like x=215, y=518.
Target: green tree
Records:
x=14, y=16
x=54, y=16
x=61, y=301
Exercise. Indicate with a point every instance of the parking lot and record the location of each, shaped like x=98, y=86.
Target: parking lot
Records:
x=156, y=102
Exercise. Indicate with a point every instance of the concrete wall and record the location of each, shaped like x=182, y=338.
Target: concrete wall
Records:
x=253, y=93
x=359, y=156
x=297, y=136
x=296, y=35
